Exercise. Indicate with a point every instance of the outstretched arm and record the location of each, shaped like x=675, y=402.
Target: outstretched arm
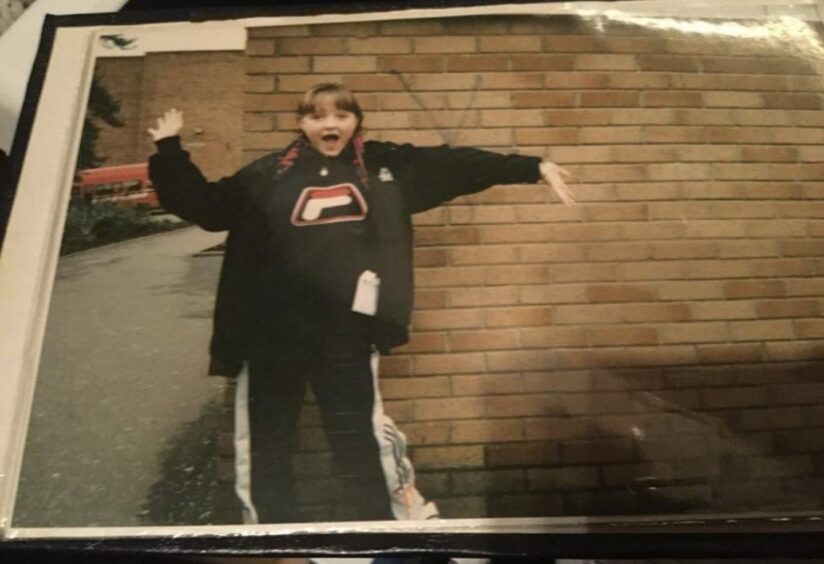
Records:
x=553, y=176
x=168, y=125
x=181, y=187
x=433, y=175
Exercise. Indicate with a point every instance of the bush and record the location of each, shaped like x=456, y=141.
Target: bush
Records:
x=91, y=225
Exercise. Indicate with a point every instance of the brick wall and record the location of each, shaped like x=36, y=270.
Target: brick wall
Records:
x=656, y=348
x=202, y=84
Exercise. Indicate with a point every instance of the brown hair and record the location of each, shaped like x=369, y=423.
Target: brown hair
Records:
x=343, y=98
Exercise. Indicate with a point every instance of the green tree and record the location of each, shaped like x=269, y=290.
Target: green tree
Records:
x=102, y=108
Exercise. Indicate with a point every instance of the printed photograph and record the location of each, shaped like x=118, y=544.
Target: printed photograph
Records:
x=465, y=267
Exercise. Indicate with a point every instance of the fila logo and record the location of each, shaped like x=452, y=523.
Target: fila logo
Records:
x=332, y=204
x=385, y=175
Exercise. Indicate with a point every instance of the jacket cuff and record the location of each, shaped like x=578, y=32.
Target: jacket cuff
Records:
x=169, y=145
x=536, y=170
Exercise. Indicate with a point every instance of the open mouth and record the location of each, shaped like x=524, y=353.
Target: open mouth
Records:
x=330, y=137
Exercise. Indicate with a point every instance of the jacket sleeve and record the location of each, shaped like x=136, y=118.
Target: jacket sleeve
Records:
x=433, y=175
x=184, y=191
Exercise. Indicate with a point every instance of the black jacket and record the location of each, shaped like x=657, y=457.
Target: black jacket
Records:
x=264, y=305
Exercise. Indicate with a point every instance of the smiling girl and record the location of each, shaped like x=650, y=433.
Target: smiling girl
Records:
x=317, y=279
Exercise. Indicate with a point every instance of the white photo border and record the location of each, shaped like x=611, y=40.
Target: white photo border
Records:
x=29, y=260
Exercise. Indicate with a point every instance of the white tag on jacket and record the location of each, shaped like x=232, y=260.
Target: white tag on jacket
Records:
x=366, y=293
x=385, y=175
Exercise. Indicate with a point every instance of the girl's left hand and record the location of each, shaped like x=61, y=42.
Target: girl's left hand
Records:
x=554, y=176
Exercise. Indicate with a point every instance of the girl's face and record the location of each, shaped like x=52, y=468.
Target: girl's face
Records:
x=328, y=127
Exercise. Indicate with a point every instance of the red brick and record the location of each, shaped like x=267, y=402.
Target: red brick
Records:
x=481, y=214
x=563, y=478
x=447, y=319
x=379, y=45
x=624, y=335
x=706, y=332
x=414, y=388
x=675, y=447
x=520, y=360
x=258, y=122
x=270, y=102
x=585, y=273
x=612, y=252
x=373, y=82
x=410, y=63
x=477, y=297
x=553, y=294
x=674, y=134
x=787, y=308
x=777, y=418
x=546, y=136
x=642, y=153
x=795, y=350
x=797, y=393
x=516, y=233
x=444, y=44
x=453, y=363
x=572, y=43
x=448, y=457
x=760, y=330
x=449, y=408
x=558, y=381
x=609, y=99
x=430, y=257
x=540, y=62
x=395, y=365
x=518, y=317
x=522, y=454
x=739, y=289
x=810, y=328
x=483, y=340
x=260, y=47
x=310, y=46
x=486, y=384
x=672, y=63
x=550, y=253
x=670, y=98
x=577, y=80
x=463, y=100
x=412, y=27
x=618, y=313
x=506, y=80
x=726, y=354
x=474, y=63
x=424, y=342
x=345, y=64
x=430, y=299
x=447, y=236
x=449, y=276
x=486, y=431
x=510, y=44
x=545, y=337
x=645, y=81
x=739, y=309
x=557, y=428
x=612, y=450
x=528, y=99
x=683, y=249
x=488, y=482
x=620, y=293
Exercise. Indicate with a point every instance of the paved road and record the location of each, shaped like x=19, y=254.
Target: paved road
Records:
x=124, y=418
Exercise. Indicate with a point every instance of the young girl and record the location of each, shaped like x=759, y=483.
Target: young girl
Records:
x=316, y=279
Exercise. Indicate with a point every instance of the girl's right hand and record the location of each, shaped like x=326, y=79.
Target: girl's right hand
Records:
x=168, y=125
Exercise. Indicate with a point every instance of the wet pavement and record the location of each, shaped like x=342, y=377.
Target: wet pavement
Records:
x=124, y=422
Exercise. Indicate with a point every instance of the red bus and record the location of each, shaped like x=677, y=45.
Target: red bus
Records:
x=127, y=185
